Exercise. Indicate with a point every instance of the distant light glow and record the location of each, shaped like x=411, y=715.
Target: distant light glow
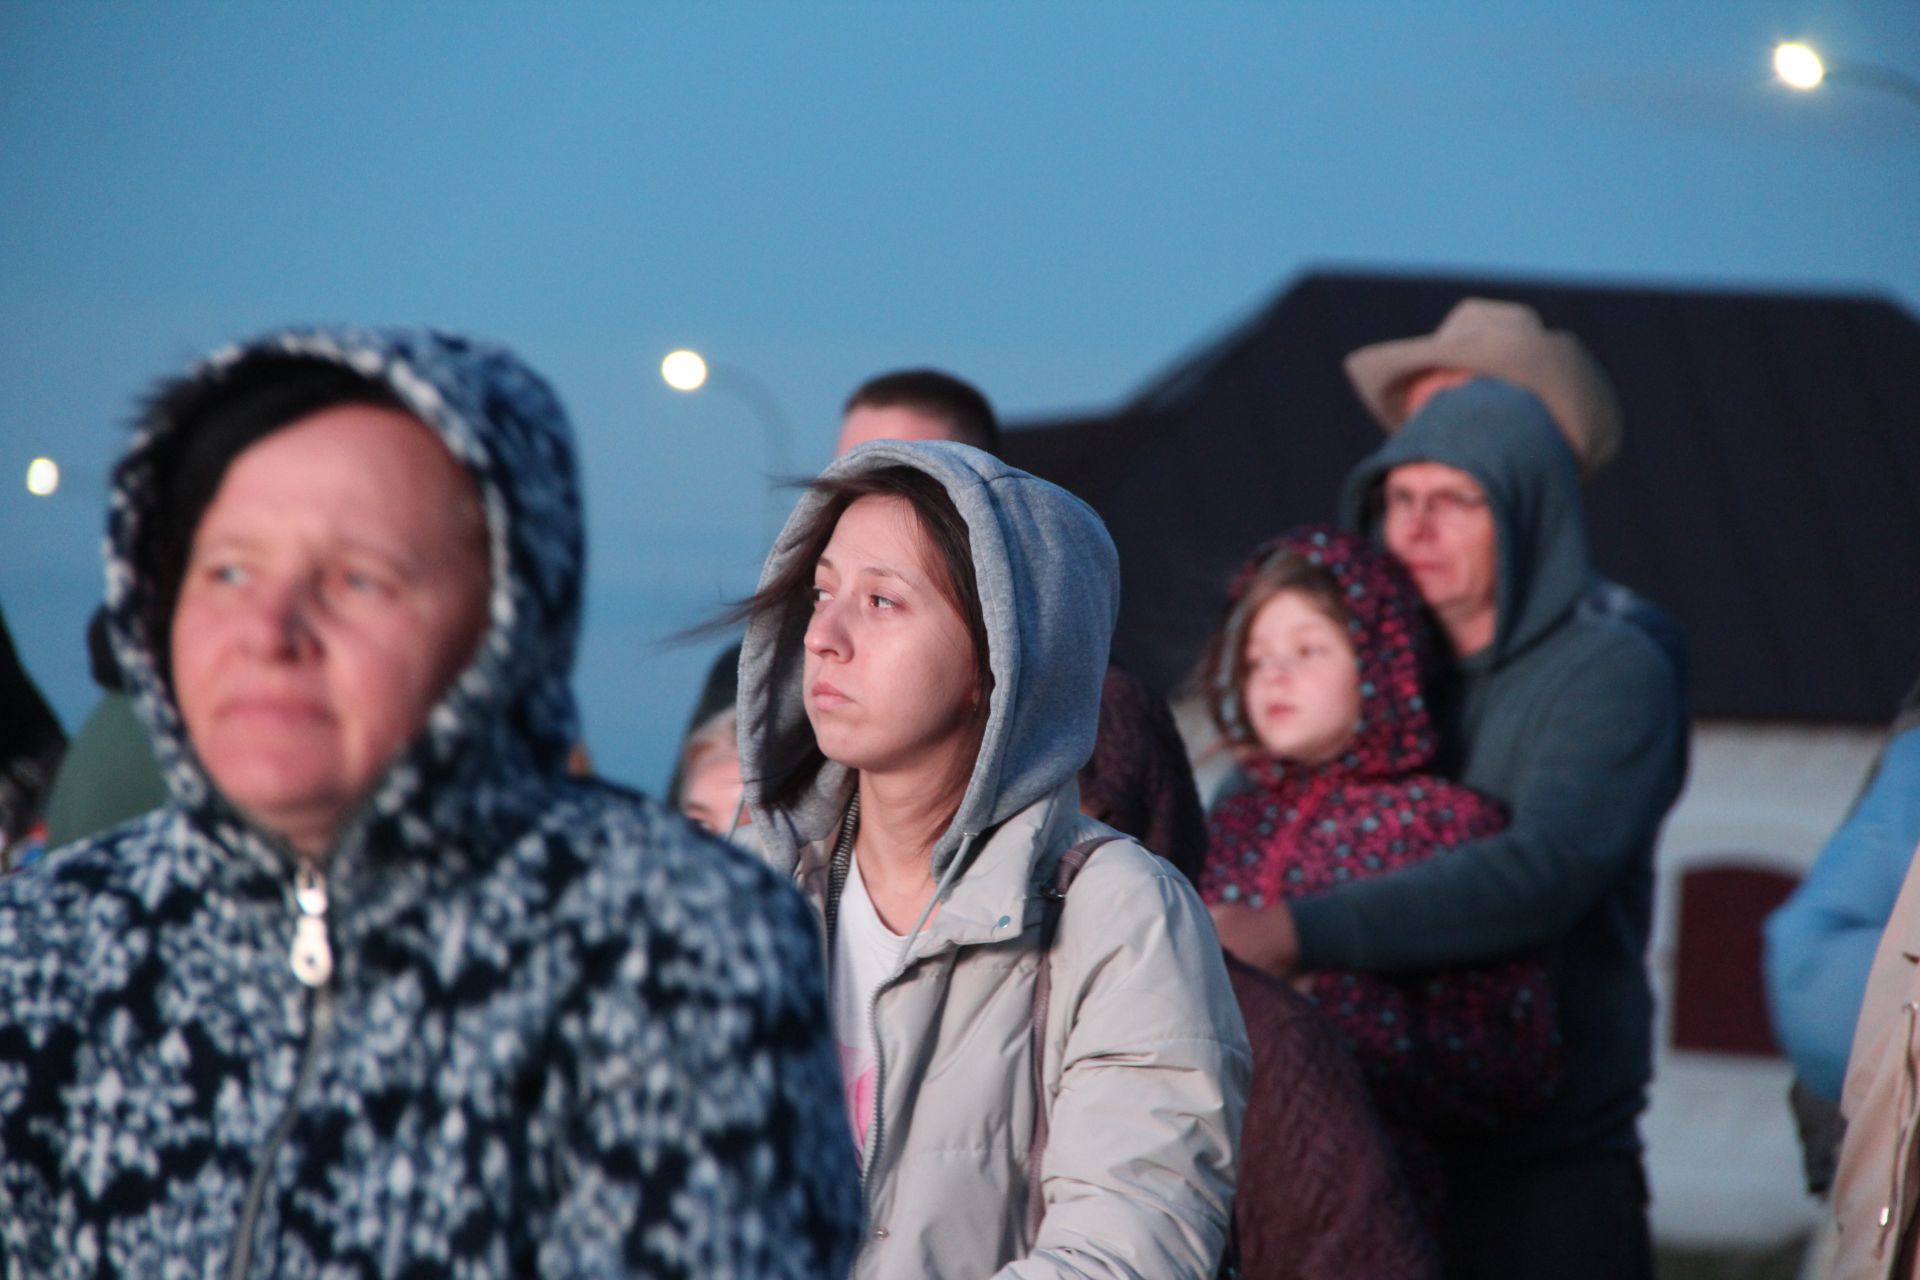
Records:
x=1798, y=65
x=43, y=477
x=684, y=370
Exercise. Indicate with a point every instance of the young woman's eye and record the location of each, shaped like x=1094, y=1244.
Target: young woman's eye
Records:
x=227, y=574
x=880, y=602
x=816, y=596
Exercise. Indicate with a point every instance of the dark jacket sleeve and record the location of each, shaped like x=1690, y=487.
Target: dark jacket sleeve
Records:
x=1597, y=767
x=1457, y=1049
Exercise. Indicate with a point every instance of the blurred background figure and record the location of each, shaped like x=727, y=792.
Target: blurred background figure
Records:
x=109, y=774
x=710, y=790
x=1138, y=779
x=1874, y=1208
x=1820, y=943
x=33, y=745
x=1321, y=1194
x=1820, y=948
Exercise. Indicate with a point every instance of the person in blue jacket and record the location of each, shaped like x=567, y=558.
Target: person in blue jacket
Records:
x=1820, y=942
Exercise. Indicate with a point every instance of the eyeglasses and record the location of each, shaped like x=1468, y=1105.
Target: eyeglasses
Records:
x=1441, y=505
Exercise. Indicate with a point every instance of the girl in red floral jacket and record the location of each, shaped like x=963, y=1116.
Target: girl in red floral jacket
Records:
x=1315, y=681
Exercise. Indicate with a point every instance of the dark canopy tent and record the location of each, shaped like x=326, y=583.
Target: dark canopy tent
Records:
x=1768, y=492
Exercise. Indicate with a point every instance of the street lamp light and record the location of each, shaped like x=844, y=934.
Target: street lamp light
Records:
x=1798, y=65
x=43, y=477
x=684, y=370
x=688, y=371
x=1801, y=67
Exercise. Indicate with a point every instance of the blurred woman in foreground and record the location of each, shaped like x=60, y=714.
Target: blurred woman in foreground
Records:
x=382, y=991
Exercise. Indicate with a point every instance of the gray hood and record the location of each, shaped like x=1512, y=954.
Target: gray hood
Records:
x=1049, y=589
x=1503, y=436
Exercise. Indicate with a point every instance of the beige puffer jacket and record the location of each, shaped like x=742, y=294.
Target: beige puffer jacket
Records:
x=1876, y=1192
x=1146, y=1070
x=1145, y=1062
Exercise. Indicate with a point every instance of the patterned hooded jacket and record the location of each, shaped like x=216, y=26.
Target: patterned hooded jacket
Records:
x=562, y=1034
x=1443, y=1052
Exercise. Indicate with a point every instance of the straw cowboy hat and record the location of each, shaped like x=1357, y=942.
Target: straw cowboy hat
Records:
x=1500, y=340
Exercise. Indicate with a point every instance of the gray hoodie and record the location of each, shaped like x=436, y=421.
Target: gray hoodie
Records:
x=1049, y=583
x=1573, y=721
x=1145, y=1059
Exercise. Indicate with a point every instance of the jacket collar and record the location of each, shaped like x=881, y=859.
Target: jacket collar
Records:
x=994, y=890
x=991, y=893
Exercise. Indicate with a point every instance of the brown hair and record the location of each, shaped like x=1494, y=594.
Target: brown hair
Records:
x=936, y=394
x=1223, y=668
x=785, y=600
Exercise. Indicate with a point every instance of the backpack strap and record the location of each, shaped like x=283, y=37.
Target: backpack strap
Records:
x=1052, y=901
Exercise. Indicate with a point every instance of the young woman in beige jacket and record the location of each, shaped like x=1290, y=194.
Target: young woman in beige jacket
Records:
x=919, y=685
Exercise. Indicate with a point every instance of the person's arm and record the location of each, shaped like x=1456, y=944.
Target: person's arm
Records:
x=709, y=1136
x=1820, y=943
x=1466, y=1048
x=1138, y=1173
x=1601, y=773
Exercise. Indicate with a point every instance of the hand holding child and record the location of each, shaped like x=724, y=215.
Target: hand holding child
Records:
x=1262, y=937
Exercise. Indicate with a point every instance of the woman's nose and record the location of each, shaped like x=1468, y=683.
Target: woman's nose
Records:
x=826, y=636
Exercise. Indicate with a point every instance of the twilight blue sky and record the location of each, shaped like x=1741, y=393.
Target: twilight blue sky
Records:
x=1055, y=199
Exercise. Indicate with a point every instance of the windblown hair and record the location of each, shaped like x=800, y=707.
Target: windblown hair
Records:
x=787, y=599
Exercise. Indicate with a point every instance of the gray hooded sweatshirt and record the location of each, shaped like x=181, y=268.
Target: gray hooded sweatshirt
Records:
x=1575, y=722
x=1145, y=1057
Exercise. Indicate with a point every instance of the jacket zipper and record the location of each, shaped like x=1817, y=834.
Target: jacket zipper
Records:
x=311, y=958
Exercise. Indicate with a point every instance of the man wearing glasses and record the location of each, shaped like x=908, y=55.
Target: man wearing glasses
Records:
x=1571, y=717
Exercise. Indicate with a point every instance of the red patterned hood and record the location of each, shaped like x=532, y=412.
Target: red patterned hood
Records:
x=1390, y=635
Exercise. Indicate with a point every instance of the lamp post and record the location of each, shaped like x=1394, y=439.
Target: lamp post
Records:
x=688, y=371
x=1801, y=67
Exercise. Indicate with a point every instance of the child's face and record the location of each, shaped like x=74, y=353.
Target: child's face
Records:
x=1301, y=685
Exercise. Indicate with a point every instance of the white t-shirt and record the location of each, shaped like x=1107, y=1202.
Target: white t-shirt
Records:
x=865, y=952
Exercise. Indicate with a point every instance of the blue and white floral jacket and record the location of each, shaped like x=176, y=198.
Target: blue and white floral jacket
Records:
x=552, y=1030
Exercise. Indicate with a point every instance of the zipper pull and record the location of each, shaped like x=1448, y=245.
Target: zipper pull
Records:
x=312, y=956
